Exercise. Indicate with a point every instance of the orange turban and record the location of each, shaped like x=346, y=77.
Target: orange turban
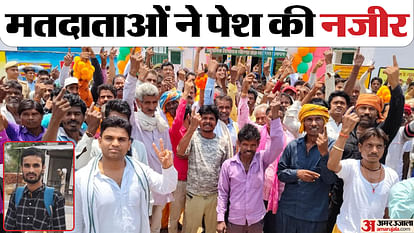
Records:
x=312, y=110
x=371, y=100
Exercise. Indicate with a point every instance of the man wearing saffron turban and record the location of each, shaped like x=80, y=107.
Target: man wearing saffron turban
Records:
x=303, y=206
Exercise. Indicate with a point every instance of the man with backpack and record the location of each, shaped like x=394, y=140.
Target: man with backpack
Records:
x=35, y=206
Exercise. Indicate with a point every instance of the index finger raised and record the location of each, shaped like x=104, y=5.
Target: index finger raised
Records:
x=91, y=107
x=61, y=93
x=350, y=109
x=394, y=61
x=161, y=145
x=358, y=50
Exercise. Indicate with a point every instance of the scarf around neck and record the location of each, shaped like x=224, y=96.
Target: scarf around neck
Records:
x=148, y=123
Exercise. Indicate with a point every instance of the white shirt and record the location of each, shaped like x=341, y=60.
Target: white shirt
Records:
x=360, y=202
x=7, y=114
x=333, y=129
x=396, y=151
x=88, y=147
x=118, y=208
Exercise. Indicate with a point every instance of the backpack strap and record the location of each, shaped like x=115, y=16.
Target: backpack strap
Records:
x=18, y=196
x=48, y=199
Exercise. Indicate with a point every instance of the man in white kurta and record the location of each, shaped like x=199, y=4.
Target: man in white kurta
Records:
x=105, y=204
x=148, y=126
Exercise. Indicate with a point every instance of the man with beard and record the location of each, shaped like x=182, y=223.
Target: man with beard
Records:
x=68, y=113
x=169, y=104
x=252, y=97
x=205, y=152
x=31, y=213
x=31, y=114
x=242, y=178
x=303, y=206
x=338, y=103
x=13, y=96
x=118, y=83
x=226, y=126
x=368, y=108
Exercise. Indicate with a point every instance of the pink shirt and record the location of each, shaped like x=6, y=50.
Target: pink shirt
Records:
x=177, y=132
x=245, y=190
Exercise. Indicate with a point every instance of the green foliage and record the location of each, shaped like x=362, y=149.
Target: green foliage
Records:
x=12, y=151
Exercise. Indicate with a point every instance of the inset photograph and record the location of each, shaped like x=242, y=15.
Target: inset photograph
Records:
x=38, y=186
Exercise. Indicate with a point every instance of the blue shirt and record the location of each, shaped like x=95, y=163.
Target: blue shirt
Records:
x=305, y=200
x=233, y=131
x=46, y=120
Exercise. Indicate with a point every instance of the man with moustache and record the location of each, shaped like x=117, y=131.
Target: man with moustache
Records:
x=31, y=114
x=12, y=72
x=367, y=183
x=119, y=82
x=13, y=95
x=31, y=213
x=113, y=190
x=205, y=151
x=68, y=114
x=368, y=108
x=242, y=178
x=148, y=126
x=303, y=206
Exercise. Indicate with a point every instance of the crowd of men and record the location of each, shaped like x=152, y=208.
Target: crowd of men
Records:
x=243, y=152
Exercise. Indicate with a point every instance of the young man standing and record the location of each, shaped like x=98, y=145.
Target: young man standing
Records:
x=206, y=152
x=113, y=190
x=31, y=213
x=367, y=183
x=242, y=177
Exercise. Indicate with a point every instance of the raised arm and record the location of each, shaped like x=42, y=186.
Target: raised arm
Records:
x=97, y=75
x=59, y=108
x=103, y=55
x=363, y=78
x=197, y=59
x=350, y=83
x=180, y=112
x=148, y=55
x=135, y=61
x=276, y=134
x=209, y=91
x=243, y=110
x=84, y=146
x=395, y=114
x=111, y=70
x=185, y=141
x=312, y=76
x=329, y=74
x=65, y=71
x=349, y=121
